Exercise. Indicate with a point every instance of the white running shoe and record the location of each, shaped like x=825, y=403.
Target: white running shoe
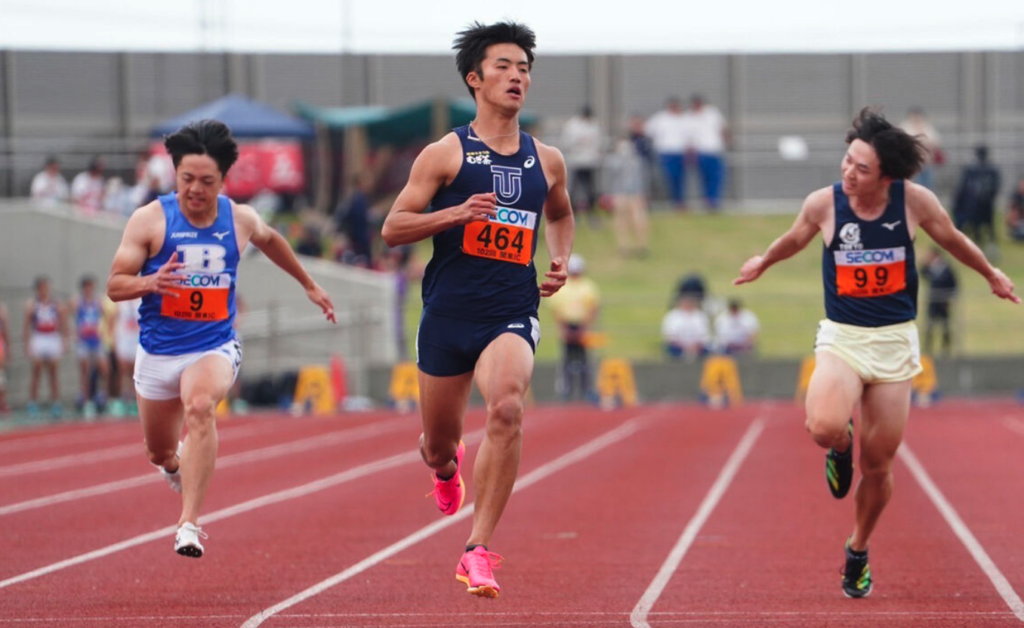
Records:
x=173, y=479
x=186, y=541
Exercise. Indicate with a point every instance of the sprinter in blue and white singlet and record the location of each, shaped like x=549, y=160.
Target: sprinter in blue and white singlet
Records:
x=180, y=254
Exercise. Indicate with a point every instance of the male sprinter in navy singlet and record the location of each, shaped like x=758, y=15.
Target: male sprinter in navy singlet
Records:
x=867, y=347
x=180, y=254
x=480, y=192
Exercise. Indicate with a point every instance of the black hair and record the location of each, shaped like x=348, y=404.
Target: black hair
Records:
x=96, y=163
x=204, y=137
x=40, y=280
x=86, y=280
x=981, y=152
x=900, y=154
x=51, y=160
x=472, y=45
x=587, y=111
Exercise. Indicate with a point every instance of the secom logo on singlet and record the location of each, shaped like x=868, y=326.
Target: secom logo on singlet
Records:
x=871, y=257
x=222, y=280
x=515, y=217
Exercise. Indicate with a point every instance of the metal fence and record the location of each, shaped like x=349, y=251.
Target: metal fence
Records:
x=76, y=104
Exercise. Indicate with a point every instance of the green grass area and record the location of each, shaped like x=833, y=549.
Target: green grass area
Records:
x=787, y=299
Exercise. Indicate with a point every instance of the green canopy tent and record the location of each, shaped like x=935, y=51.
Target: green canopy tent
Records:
x=348, y=135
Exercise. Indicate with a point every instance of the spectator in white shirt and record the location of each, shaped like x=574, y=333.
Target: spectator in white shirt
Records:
x=48, y=186
x=708, y=141
x=87, y=188
x=581, y=143
x=685, y=330
x=669, y=130
x=736, y=329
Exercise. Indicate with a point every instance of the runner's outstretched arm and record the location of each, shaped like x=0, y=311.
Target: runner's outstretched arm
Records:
x=277, y=249
x=805, y=227
x=936, y=223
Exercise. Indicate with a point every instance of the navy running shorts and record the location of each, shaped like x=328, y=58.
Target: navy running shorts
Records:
x=451, y=346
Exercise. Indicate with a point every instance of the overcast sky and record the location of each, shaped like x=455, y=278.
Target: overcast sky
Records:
x=402, y=26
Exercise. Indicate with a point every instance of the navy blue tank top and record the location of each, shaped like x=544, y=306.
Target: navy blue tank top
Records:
x=869, y=270
x=484, y=271
x=201, y=316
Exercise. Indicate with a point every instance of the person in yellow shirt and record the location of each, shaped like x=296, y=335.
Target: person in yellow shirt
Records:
x=575, y=309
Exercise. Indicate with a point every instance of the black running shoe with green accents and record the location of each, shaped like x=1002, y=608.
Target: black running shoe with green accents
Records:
x=839, y=468
x=856, y=573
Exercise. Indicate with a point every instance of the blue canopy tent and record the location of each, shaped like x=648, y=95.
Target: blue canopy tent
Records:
x=245, y=117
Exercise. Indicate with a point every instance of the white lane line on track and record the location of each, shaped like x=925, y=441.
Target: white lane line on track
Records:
x=580, y=453
x=263, y=453
x=962, y=532
x=224, y=513
x=110, y=453
x=638, y=618
x=1015, y=425
x=83, y=436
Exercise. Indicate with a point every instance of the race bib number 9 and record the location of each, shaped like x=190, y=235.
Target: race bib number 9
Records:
x=871, y=273
x=200, y=297
x=508, y=237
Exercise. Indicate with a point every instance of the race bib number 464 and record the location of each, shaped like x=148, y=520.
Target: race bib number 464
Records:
x=508, y=237
x=200, y=297
x=871, y=273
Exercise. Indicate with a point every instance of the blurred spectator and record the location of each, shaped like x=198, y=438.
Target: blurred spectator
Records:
x=626, y=183
x=1015, y=215
x=942, y=289
x=685, y=330
x=917, y=124
x=353, y=219
x=44, y=333
x=48, y=186
x=310, y=244
x=642, y=146
x=974, y=204
x=736, y=329
x=669, y=131
x=5, y=345
x=581, y=142
x=88, y=314
x=575, y=308
x=692, y=285
x=709, y=137
x=87, y=187
x=125, y=334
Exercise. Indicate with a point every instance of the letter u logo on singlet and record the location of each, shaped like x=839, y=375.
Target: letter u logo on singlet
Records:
x=203, y=257
x=508, y=183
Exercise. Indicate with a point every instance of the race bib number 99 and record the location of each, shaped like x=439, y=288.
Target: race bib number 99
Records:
x=508, y=237
x=200, y=297
x=871, y=273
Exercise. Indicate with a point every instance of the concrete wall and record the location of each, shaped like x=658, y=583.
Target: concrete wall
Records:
x=663, y=381
x=282, y=330
x=971, y=96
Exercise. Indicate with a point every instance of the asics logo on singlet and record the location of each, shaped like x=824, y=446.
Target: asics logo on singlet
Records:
x=178, y=235
x=529, y=162
x=508, y=183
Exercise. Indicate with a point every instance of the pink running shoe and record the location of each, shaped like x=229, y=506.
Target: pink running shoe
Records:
x=449, y=494
x=475, y=571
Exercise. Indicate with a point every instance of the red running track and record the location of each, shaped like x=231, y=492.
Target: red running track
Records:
x=318, y=523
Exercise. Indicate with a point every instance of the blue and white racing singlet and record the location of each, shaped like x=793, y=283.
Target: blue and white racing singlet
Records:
x=201, y=315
